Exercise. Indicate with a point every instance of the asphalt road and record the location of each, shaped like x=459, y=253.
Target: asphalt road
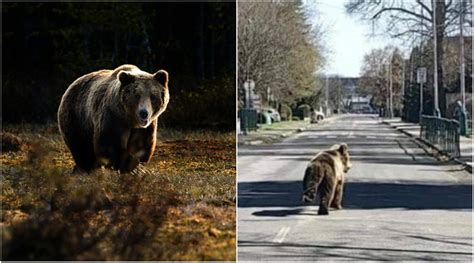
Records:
x=399, y=203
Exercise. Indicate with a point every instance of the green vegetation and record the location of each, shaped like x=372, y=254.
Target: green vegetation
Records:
x=180, y=206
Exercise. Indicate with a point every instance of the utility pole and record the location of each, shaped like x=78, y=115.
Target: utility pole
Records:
x=391, y=88
x=402, y=100
x=461, y=39
x=327, y=96
x=403, y=77
x=435, y=46
x=463, y=117
x=387, y=99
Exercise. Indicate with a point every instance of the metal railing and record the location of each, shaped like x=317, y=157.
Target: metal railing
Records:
x=470, y=132
x=441, y=132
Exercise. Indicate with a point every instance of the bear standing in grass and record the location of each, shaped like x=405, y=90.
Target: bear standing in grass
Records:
x=324, y=176
x=109, y=117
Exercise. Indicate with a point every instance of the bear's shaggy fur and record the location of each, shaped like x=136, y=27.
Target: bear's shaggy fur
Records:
x=324, y=176
x=109, y=117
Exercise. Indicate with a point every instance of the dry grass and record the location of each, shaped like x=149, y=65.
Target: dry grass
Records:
x=180, y=206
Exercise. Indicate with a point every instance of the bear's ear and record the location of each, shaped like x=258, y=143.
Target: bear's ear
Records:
x=343, y=148
x=162, y=77
x=125, y=77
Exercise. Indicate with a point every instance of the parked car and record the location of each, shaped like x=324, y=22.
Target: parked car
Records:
x=275, y=116
x=263, y=117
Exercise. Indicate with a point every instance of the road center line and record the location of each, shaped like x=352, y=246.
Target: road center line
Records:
x=351, y=133
x=281, y=235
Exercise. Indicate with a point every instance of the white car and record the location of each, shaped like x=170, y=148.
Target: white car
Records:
x=316, y=116
x=273, y=114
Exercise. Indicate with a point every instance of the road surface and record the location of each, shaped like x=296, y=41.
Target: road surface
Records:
x=399, y=203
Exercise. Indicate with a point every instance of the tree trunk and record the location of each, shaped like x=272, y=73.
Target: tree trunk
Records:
x=146, y=45
x=115, y=53
x=440, y=31
x=200, y=43
x=212, y=55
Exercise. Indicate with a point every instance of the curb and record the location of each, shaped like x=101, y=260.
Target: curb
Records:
x=466, y=166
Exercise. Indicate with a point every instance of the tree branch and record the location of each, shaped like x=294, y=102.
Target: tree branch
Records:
x=403, y=10
x=425, y=7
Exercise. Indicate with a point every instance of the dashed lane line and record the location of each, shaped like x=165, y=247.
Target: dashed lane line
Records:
x=280, y=237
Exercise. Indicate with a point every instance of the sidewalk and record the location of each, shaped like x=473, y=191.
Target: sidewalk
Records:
x=268, y=134
x=413, y=130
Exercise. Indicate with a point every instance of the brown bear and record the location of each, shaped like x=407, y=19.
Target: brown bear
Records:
x=109, y=117
x=324, y=176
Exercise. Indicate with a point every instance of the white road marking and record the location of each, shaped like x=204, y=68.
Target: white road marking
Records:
x=351, y=133
x=281, y=235
x=370, y=137
x=351, y=136
x=331, y=136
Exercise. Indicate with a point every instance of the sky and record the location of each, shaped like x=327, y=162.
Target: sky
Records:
x=347, y=38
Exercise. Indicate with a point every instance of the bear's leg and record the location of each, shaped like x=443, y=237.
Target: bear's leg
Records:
x=326, y=193
x=127, y=162
x=142, y=142
x=81, y=149
x=337, y=201
x=111, y=144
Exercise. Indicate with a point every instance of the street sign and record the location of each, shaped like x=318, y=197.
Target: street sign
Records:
x=256, y=101
x=421, y=78
x=421, y=75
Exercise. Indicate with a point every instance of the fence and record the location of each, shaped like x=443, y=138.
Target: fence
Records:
x=470, y=132
x=441, y=132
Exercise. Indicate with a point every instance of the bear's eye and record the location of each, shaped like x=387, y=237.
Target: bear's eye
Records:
x=153, y=98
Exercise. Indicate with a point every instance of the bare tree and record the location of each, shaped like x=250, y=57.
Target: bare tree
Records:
x=378, y=67
x=277, y=49
x=410, y=20
x=337, y=92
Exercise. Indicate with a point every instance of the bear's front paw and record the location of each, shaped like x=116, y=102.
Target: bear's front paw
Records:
x=129, y=164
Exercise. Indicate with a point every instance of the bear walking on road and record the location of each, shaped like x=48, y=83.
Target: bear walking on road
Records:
x=109, y=117
x=324, y=176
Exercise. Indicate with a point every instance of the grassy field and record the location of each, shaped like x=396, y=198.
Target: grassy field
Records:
x=180, y=206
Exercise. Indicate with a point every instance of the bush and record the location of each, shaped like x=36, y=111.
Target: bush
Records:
x=10, y=142
x=286, y=113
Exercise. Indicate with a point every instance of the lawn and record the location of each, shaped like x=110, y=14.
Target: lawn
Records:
x=180, y=206
x=284, y=125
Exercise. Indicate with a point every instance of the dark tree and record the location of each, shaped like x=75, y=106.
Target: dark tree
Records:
x=46, y=46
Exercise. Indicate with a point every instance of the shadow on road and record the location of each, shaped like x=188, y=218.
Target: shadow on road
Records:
x=358, y=195
x=380, y=160
x=344, y=252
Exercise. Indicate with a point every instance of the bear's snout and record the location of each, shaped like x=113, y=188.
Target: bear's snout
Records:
x=143, y=114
